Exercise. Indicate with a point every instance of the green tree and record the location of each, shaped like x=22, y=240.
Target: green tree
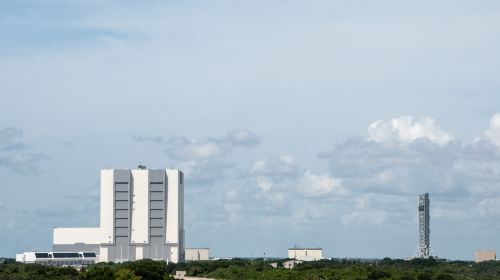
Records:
x=445, y=276
x=424, y=276
x=406, y=276
x=98, y=273
x=126, y=274
x=148, y=269
x=378, y=274
x=195, y=270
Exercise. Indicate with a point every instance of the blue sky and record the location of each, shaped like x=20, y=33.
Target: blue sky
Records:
x=310, y=123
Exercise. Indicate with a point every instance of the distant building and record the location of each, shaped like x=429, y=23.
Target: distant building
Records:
x=197, y=254
x=305, y=254
x=75, y=259
x=485, y=255
x=180, y=274
x=291, y=264
x=141, y=217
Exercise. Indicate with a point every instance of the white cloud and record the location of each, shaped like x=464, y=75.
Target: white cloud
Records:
x=264, y=183
x=493, y=133
x=14, y=154
x=194, y=150
x=203, y=160
x=405, y=129
x=187, y=149
x=242, y=137
x=8, y=134
x=313, y=185
x=279, y=168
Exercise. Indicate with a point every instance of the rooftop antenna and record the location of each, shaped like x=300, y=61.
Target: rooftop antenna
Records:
x=142, y=166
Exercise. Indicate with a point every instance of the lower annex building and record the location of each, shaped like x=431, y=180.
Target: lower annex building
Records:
x=141, y=217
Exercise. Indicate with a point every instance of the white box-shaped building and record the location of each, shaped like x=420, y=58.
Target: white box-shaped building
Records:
x=305, y=254
x=485, y=255
x=197, y=254
x=141, y=217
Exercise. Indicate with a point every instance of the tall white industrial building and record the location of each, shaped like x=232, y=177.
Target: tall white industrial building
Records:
x=141, y=217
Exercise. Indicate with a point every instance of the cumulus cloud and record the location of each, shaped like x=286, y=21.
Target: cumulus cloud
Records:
x=264, y=183
x=493, y=132
x=280, y=168
x=203, y=160
x=193, y=149
x=402, y=158
x=188, y=149
x=242, y=137
x=312, y=185
x=406, y=129
x=9, y=134
x=372, y=182
x=15, y=154
x=205, y=172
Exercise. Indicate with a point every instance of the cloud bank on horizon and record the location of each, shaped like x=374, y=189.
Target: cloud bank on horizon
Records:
x=372, y=181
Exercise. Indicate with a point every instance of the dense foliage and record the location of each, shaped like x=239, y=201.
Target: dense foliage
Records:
x=139, y=270
x=416, y=269
x=261, y=269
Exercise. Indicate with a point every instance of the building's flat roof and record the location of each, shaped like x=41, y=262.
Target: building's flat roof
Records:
x=305, y=248
x=196, y=248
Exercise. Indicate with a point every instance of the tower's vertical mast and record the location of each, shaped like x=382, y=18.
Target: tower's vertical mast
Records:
x=424, y=250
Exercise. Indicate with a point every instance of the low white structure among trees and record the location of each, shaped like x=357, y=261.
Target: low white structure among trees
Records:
x=306, y=254
x=485, y=255
x=197, y=254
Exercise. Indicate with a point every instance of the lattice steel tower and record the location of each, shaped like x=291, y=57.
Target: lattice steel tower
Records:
x=424, y=249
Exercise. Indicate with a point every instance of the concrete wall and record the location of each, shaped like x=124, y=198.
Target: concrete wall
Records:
x=196, y=254
x=485, y=255
x=107, y=206
x=306, y=254
x=77, y=247
x=175, y=216
x=77, y=235
x=140, y=209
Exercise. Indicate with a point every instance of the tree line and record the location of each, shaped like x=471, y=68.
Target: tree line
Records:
x=417, y=269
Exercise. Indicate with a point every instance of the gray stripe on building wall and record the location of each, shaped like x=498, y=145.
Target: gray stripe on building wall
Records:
x=78, y=247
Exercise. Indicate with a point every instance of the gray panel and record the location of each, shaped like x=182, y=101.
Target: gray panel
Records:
x=157, y=195
x=156, y=231
x=156, y=214
x=156, y=205
x=122, y=175
x=111, y=253
x=121, y=231
x=157, y=187
x=121, y=223
x=121, y=239
x=122, y=205
x=77, y=247
x=121, y=214
x=157, y=240
x=122, y=251
x=156, y=222
x=156, y=251
x=121, y=187
x=121, y=196
x=157, y=175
